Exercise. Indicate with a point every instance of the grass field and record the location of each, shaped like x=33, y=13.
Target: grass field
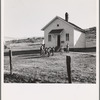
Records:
x=30, y=67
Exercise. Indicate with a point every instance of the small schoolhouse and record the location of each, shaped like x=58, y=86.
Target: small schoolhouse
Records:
x=60, y=32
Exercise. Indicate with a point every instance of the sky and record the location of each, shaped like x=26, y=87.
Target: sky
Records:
x=26, y=18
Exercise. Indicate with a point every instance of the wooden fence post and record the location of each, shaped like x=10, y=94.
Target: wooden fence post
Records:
x=10, y=60
x=68, y=63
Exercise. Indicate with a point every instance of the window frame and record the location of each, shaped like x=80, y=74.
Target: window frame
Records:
x=67, y=36
x=49, y=38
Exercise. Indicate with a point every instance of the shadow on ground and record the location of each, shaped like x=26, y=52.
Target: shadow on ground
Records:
x=17, y=78
x=22, y=52
x=30, y=56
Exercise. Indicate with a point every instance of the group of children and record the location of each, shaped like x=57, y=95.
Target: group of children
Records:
x=44, y=50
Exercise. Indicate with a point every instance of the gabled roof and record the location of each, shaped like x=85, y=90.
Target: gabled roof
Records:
x=69, y=23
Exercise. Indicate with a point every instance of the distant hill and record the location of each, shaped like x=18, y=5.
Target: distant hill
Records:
x=90, y=37
x=26, y=40
x=6, y=38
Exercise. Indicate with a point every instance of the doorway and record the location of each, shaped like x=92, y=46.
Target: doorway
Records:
x=58, y=40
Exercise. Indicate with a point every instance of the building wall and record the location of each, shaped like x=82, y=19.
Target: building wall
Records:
x=79, y=39
x=76, y=38
x=67, y=29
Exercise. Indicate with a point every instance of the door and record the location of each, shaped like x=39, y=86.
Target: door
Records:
x=58, y=40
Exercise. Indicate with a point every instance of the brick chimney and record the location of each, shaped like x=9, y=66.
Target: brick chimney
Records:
x=66, y=16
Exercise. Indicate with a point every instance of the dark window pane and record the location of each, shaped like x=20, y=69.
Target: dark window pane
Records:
x=67, y=37
x=49, y=37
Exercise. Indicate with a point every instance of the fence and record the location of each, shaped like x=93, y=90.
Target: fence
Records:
x=68, y=66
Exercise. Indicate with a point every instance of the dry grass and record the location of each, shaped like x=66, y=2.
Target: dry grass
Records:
x=31, y=68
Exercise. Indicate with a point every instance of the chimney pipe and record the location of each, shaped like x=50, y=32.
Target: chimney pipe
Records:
x=66, y=16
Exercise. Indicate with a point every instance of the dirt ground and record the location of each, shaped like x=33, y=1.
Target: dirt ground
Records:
x=32, y=68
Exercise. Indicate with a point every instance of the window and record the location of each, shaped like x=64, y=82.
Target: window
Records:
x=49, y=37
x=67, y=37
x=57, y=25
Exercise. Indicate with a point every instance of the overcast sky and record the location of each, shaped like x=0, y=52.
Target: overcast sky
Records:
x=26, y=18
